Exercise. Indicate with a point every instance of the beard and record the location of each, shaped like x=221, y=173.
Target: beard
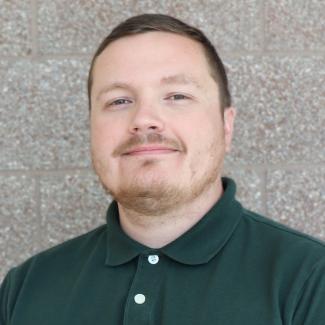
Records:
x=151, y=193
x=161, y=197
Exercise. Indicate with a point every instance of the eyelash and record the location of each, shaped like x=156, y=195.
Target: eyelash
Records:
x=117, y=102
x=175, y=95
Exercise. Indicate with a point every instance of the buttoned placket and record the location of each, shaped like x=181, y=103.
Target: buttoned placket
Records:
x=144, y=290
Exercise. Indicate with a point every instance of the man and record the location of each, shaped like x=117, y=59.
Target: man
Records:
x=178, y=248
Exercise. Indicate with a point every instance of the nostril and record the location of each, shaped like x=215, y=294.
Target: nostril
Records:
x=146, y=126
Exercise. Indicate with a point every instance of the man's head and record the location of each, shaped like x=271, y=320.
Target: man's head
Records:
x=159, y=129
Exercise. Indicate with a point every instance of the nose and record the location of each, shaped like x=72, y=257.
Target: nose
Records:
x=146, y=118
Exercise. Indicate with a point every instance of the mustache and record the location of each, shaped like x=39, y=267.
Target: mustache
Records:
x=150, y=138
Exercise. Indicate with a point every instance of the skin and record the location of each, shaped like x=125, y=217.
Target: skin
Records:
x=158, y=136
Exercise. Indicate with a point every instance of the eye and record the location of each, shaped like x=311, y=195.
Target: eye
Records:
x=177, y=97
x=120, y=101
x=117, y=103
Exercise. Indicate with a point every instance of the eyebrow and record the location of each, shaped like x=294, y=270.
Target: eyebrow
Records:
x=180, y=79
x=177, y=79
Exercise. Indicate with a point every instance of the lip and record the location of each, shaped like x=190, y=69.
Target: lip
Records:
x=149, y=150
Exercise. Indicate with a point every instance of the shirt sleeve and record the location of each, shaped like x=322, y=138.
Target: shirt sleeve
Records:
x=310, y=309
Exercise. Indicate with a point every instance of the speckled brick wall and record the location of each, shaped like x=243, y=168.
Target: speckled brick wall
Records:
x=274, y=51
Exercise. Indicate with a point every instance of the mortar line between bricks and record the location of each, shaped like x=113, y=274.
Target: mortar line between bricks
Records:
x=41, y=57
x=44, y=172
x=34, y=30
x=263, y=29
x=277, y=166
x=273, y=54
x=63, y=56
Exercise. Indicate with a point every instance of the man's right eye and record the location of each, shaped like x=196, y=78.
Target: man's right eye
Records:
x=117, y=103
x=120, y=101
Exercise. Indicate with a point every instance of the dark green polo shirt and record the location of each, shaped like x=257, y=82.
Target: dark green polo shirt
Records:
x=232, y=267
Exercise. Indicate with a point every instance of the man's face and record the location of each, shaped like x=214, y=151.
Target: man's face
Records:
x=158, y=137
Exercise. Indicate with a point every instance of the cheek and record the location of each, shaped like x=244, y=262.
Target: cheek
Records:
x=105, y=136
x=99, y=141
x=101, y=150
x=202, y=131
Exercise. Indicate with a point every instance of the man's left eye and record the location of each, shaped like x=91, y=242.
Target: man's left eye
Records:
x=178, y=97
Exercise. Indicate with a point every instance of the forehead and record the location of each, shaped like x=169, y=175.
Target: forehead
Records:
x=154, y=54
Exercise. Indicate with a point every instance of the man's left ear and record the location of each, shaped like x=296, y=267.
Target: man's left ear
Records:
x=229, y=118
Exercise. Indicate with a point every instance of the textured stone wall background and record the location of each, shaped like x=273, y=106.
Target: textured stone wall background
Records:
x=274, y=51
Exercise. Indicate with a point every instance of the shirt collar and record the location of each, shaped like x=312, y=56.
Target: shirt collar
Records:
x=197, y=246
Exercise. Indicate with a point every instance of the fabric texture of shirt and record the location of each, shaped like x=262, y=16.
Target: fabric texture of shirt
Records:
x=233, y=267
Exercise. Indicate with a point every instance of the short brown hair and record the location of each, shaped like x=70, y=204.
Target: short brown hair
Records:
x=163, y=23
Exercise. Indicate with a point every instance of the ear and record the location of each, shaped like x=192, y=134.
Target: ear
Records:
x=229, y=118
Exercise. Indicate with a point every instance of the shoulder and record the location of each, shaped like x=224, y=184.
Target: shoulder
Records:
x=60, y=257
x=281, y=231
x=288, y=246
x=51, y=269
x=291, y=261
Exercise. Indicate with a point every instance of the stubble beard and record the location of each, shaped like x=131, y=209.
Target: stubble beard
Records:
x=159, y=196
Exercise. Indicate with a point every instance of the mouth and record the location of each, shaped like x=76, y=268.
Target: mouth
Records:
x=149, y=150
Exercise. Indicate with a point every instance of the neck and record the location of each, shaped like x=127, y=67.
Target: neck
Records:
x=159, y=230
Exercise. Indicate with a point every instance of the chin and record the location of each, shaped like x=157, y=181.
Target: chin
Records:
x=149, y=197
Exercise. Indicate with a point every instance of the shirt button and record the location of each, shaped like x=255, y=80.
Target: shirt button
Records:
x=139, y=298
x=153, y=259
